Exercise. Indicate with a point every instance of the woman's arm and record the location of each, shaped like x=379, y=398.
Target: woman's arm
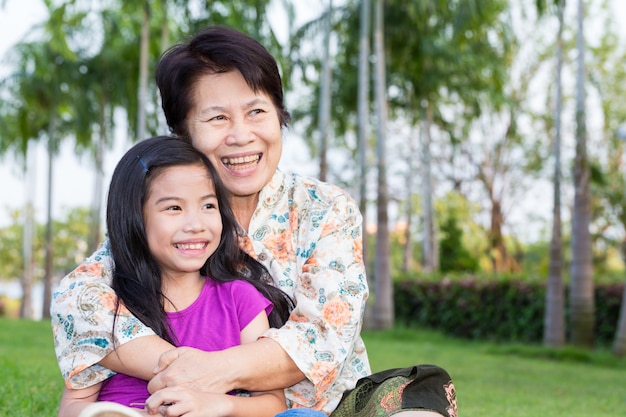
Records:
x=186, y=400
x=323, y=333
x=272, y=401
x=137, y=357
x=262, y=365
x=229, y=369
x=82, y=313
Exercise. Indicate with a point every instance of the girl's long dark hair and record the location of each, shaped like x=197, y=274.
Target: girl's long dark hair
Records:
x=137, y=276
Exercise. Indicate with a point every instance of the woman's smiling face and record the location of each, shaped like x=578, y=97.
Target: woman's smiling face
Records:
x=238, y=130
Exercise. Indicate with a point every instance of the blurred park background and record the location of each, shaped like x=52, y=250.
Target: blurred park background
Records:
x=483, y=139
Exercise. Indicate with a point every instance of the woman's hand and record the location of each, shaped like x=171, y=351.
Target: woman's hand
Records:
x=262, y=365
x=191, y=368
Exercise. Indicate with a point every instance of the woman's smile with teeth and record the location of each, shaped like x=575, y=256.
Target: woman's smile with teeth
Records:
x=190, y=246
x=241, y=162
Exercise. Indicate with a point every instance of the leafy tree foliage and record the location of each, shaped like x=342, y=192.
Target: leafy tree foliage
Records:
x=70, y=243
x=454, y=256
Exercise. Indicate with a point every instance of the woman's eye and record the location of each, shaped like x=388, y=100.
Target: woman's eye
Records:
x=257, y=111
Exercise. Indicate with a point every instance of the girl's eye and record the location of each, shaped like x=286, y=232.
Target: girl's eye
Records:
x=209, y=206
x=173, y=208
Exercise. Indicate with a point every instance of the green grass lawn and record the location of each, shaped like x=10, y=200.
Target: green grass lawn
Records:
x=491, y=380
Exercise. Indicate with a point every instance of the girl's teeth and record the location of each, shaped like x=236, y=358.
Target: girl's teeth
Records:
x=190, y=246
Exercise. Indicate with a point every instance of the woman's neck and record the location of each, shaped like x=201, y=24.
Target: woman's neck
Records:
x=243, y=209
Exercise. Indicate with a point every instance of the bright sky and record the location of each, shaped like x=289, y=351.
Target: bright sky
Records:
x=73, y=177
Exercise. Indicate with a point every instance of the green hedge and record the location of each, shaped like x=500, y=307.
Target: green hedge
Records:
x=508, y=311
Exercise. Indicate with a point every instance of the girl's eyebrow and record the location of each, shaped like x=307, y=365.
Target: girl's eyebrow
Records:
x=167, y=198
x=174, y=198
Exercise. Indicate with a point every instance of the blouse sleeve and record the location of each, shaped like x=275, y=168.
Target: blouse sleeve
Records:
x=322, y=335
x=82, y=313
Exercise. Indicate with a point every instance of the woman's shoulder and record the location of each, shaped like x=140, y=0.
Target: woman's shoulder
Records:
x=315, y=190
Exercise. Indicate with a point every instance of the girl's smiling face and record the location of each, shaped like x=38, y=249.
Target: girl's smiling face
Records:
x=182, y=219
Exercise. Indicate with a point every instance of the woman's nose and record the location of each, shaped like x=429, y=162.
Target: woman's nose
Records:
x=240, y=133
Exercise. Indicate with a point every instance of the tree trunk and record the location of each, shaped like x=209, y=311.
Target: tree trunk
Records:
x=49, y=268
x=96, y=201
x=554, y=319
x=165, y=32
x=582, y=304
x=363, y=105
x=324, y=109
x=383, y=301
x=429, y=250
x=165, y=43
x=28, y=278
x=407, y=256
x=143, y=72
x=619, y=344
x=499, y=253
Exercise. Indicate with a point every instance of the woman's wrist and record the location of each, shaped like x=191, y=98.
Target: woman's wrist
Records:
x=262, y=365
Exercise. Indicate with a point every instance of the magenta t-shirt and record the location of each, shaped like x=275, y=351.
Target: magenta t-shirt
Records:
x=213, y=322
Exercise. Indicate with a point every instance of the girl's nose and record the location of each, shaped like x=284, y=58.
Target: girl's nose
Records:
x=193, y=224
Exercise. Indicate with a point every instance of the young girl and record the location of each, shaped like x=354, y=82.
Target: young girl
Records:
x=179, y=269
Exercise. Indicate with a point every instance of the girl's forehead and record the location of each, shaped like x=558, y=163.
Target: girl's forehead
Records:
x=180, y=176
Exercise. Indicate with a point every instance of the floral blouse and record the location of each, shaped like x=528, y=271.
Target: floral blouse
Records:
x=308, y=234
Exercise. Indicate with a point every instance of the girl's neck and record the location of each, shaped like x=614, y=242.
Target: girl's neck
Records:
x=181, y=291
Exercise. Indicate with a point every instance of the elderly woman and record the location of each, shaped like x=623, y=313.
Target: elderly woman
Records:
x=222, y=92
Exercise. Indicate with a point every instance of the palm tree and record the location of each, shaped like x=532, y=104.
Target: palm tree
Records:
x=143, y=71
x=444, y=52
x=325, y=99
x=430, y=261
x=43, y=67
x=619, y=344
x=581, y=292
x=607, y=79
x=363, y=105
x=554, y=319
x=383, y=292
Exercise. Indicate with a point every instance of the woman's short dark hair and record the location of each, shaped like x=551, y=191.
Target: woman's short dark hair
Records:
x=215, y=50
x=136, y=275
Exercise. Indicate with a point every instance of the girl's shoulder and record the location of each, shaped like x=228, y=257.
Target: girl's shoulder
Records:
x=235, y=287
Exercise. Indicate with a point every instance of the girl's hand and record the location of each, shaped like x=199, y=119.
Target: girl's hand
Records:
x=180, y=401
